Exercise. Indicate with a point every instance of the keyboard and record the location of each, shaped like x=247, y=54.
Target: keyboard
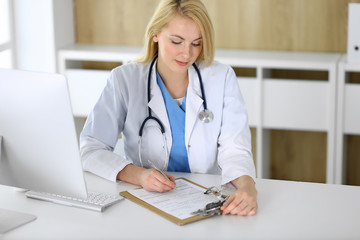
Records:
x=95, y=201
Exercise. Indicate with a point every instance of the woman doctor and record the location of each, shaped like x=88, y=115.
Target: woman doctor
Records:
x=171, y=85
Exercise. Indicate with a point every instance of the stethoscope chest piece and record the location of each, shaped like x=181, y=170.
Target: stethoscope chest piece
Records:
x=206, y=116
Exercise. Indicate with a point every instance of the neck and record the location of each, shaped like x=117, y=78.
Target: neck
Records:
x=175, y=83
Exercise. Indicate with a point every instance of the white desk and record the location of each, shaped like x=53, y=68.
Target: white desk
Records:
x=287, y=210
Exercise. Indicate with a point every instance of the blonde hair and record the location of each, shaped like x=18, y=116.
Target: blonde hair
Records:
x=165, y=12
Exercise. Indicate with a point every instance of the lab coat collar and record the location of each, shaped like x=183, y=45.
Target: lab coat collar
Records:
x=193, y=103
x=156, y=103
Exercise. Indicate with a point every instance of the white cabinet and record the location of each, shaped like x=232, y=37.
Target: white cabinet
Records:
x=86, y=85
x=348, y=112
x=289, y=104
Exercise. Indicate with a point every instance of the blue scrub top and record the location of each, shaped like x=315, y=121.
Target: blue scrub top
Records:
x=178, y=160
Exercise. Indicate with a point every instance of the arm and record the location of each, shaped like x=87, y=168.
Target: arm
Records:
x=100, y=135
x=101, y=132
x=235, y=156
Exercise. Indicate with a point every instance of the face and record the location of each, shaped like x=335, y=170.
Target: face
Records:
x=180, y=44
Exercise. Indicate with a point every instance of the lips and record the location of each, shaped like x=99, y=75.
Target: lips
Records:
x=181, y=63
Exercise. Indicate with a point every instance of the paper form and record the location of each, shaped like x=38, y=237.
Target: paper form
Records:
x=179, y=202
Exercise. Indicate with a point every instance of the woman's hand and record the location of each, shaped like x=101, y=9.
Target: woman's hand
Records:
x=244, y=200
x=150, y=179
x=153, y=181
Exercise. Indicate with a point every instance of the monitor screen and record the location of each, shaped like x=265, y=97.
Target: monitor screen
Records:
x=39, y=147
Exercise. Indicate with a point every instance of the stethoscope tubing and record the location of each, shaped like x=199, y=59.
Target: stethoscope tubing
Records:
x=201, y=86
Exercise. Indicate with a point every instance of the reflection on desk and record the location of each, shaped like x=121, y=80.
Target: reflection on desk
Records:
x=287, y=210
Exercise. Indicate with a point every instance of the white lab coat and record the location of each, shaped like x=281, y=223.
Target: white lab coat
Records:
x=222, y=146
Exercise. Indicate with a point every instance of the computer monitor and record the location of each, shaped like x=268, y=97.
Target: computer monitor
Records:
x=39, y=149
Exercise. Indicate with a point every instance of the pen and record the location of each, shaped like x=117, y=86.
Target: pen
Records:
x=157, y=169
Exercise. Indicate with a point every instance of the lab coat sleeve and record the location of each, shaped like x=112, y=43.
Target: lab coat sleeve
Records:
x=101, y=132
x=99, y=159
x=234, y=151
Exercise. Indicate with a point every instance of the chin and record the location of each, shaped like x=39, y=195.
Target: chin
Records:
x=180, y=69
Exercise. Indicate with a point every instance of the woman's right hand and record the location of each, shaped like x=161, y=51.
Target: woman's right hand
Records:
x=153, y=181
x=150, y=179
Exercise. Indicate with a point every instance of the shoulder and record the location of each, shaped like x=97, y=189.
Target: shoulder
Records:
x=217, y=70
x=130, y=68
x=127, y=80
x=215, y=66
x=132, y=72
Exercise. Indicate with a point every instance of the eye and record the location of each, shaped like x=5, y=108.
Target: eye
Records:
x=175, y=42
x=196, y=44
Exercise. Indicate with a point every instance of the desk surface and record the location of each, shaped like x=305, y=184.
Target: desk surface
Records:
x=287, y=210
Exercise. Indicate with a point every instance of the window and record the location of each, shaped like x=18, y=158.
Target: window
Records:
x=6, y=52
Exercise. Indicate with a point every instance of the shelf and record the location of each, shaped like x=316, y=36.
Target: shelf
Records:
x=105, y=53
x=283, y=60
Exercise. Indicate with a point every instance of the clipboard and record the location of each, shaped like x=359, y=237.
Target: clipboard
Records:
x=166, y=215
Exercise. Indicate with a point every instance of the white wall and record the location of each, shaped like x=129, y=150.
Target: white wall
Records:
x=40, y=28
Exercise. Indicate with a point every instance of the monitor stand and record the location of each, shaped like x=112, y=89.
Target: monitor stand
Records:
x=10, y=220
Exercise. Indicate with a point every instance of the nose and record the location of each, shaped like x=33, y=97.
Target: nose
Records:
x=186, y=51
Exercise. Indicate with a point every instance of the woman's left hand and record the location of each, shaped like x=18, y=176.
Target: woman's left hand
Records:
x=244, y=200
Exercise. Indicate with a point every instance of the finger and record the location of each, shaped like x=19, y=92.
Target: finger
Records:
x=243, y=204
x=244, y=212
x=248, y=202
x=231, y=206
x=153, y=184
x=172, y=178
x=164, y=180
x=230, y=199
x=158, y=186
x=241, y=211
x=250, y=210
x=162, y=183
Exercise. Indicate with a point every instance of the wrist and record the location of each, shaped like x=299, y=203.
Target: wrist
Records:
x=244, y=182
x=131, y=174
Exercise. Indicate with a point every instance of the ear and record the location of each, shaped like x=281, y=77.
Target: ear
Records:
x=155, y=38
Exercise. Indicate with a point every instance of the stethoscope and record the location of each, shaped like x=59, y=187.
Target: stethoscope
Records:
x=205, y=115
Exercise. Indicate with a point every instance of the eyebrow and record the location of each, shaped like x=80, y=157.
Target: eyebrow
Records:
x=175, y=35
